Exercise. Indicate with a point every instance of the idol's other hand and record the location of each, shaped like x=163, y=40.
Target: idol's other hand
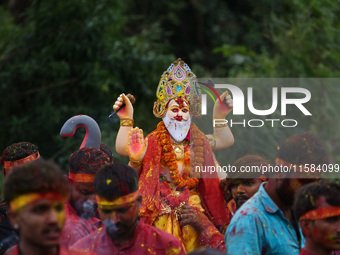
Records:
x=221, y=111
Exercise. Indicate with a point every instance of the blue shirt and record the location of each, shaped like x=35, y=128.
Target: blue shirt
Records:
x=259, y=227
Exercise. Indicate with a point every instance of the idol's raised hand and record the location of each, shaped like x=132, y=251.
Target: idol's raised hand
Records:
x=137, y=145
x=127, y=110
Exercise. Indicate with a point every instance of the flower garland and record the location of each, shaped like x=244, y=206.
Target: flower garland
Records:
x=170, y=159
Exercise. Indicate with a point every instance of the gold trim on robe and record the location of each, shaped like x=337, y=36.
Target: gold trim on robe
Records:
x=168, y=222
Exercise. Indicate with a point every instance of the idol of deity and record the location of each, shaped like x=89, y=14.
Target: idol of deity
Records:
x=168, y=158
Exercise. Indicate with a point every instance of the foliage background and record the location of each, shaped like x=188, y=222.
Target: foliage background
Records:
x=63, y=58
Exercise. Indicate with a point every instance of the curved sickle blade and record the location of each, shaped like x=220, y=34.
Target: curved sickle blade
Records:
x=92, y=137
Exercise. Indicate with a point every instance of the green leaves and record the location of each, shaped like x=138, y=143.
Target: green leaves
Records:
x=75, y=57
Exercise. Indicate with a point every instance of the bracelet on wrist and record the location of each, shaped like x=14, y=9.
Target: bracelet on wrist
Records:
x=135, y=164
x=126, y=122
x=220, y=125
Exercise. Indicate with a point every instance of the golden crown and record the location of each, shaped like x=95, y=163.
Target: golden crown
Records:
x=178, y=81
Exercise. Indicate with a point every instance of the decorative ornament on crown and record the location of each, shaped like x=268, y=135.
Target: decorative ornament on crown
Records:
x=178, y=81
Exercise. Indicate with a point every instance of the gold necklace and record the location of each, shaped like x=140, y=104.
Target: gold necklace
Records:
x=178, y=149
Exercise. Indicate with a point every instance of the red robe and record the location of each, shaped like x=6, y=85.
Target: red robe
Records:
x=304, y=252
x=146, y=240
x=76, y=228
x=212, y=238
x=208, y=187
x=62, y=251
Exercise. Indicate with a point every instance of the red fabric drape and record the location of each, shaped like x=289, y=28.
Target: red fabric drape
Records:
x=210, y=192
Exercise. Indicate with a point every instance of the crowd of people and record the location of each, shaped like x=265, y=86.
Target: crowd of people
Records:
x=157, y=204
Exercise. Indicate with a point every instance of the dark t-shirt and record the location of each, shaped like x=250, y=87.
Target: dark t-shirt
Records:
x=8, y=236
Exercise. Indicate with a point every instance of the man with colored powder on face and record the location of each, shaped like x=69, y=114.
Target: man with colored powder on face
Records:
x=17, y=154
x=265, y=223
x=36, y=194
x=118, y=198
x=81, y=208
x=317, y=207
x=241, y=186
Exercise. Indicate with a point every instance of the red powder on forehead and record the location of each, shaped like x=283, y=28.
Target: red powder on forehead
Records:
x=180, y=102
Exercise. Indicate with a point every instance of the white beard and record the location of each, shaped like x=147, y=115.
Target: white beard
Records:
x=178, y=129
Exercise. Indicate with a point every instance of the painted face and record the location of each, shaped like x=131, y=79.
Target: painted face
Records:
x=177, y=119
x=41, y=222
x=120, y=221
x=243, y=189
x=326, y=232
x=178, y=110
x=83, y=199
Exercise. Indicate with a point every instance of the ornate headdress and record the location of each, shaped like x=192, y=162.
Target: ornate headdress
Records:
x=178, y=81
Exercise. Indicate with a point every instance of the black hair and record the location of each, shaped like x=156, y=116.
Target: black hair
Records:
x=304, y=148
x=248, y=160
x=115, y=180
x=87, y=161
x=107, y=150
x=306, y=197
x=38, y=176
x=18, y=151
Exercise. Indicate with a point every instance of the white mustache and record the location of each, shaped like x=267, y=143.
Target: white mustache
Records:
x=183, y=119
